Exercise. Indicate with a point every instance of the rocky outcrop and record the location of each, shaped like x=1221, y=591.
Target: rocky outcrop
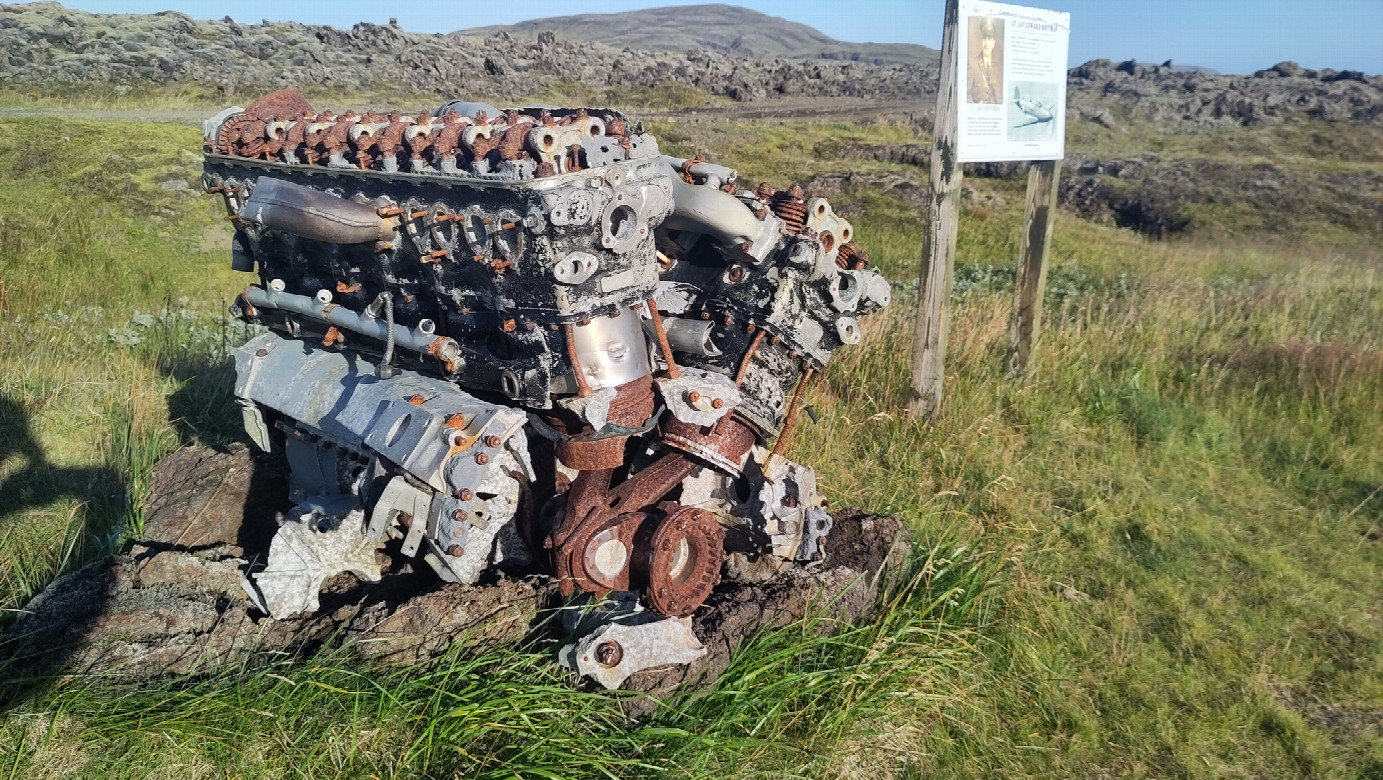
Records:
x=44, y=43
x=174, y=604
x=1175, y=100
x=1160, y=197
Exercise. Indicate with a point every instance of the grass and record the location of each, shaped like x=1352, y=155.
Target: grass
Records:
x=667, y=96
x=1155, y=557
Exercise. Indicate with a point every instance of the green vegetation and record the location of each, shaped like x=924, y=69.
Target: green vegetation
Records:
x=106, y=97
x=1157, y=557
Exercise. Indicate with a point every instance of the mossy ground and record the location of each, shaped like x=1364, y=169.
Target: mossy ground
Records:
x=1157, y=556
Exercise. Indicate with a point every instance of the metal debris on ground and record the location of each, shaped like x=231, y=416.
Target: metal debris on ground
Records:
x=526, y=340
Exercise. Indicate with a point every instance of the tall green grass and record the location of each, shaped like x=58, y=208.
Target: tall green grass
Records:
x=1157, y=556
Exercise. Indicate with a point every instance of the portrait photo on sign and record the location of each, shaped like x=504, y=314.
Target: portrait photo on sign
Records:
x=985, y=74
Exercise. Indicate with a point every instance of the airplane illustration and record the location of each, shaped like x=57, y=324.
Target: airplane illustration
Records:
x=1036, y=109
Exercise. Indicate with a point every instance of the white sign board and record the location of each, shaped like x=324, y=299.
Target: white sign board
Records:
x=1011, y=82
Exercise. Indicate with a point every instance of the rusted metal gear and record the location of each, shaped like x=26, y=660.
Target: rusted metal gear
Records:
x=723, y=445
x=631, y=408
x=790, y=205
x=598, y=556
x=283, y=104
x=852, y=257
x=687, y=550
x=591, y=507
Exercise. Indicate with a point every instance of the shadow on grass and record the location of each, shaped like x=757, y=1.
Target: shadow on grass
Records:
x=39, y=640
x=39, y=482
x=100, y=491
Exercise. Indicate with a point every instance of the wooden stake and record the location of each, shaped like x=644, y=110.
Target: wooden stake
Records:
x=1025, y=324
x=939, y=240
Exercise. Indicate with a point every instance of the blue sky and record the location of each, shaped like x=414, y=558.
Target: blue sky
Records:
x=1234, y=36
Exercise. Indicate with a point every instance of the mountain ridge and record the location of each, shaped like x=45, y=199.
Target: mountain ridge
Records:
x=719, y=27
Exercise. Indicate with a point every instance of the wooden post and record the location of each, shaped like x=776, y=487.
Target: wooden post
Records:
x=939, y=238
x=1025, y=323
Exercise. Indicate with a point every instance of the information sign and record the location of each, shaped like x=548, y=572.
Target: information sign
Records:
x=1011, y=82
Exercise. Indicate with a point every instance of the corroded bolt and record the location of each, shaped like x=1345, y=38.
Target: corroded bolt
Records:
x=482, y=458
x=705, y=315
x=465, y=494
x=509, y=326
x=693, y=397
x=262, y=352
x=736, y=274
x=460, y=515
x=456, y=551
x=729, y=320
x=456, y=421
x=717, y=403
x=609, y=653
x=492, y=441
x=790, y=502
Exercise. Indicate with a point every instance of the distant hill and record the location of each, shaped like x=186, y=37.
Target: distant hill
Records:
x=722, y=28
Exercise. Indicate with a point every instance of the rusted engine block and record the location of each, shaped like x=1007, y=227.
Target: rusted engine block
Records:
x=526, y=340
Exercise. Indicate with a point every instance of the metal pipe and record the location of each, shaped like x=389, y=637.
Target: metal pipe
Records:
x=583, y=388
x=386, y=366
x=408, y=338
x=312, y=213
x=749, y=357
x=722, y=216
x=690, y=336
x=790, y=422
x=663, y=345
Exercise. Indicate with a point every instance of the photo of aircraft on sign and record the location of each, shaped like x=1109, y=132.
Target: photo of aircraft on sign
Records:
x=1038, y=111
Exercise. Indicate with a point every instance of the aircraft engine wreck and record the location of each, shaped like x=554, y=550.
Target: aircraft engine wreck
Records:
x=525, y=341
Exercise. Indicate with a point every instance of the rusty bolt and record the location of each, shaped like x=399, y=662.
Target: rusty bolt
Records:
x=717, y=403
x=728, y=320
x=482, y=458
x=456, y=551
x=609, y=653
x=457, y=421
x=775, y=341
x=262, y=352
x=465, y=494
x=491, y=441
x=693, y=396
x=705, y=315
x=460, y=515
x=750, y=328
x=509, y=326
x=736, y=273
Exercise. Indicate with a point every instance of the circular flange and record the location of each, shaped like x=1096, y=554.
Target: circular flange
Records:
x=685, y=563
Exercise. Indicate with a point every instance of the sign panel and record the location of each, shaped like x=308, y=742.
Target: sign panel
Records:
x=1011, y=82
